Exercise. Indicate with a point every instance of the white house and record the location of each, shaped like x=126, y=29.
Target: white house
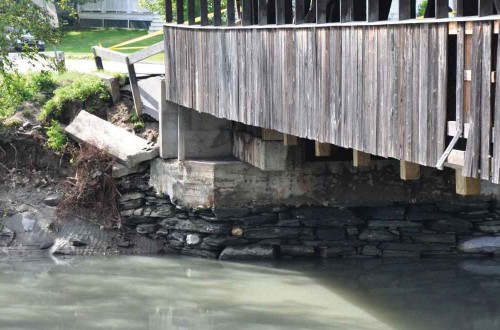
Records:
x=116, y=13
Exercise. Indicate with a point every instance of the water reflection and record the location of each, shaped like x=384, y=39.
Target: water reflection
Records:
x=185, y=293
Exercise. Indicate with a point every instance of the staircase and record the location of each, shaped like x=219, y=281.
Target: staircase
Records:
x=156, y=24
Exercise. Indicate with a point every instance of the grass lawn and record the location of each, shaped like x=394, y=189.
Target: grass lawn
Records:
x=77, y=43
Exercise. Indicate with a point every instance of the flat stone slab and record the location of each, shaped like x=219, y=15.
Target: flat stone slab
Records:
x=129, y=149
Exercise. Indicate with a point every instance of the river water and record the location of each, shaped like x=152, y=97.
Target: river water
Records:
x=189, y=293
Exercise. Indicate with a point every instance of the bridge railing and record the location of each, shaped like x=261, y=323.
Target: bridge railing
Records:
x=265, y=12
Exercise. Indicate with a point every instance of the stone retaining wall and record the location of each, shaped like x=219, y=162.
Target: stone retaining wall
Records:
x=451, y=228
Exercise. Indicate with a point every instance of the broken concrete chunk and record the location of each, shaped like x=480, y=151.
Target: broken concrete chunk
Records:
x=129, y=149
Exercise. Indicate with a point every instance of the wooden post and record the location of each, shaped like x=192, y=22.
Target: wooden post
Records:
x=180, y=11
x=372, y=10
x=262, y=12
x=98, y=60
x=203, y=12
x=409, y=171
x=271, y=135
x=217, y=13
x=441, y=9
x=407, y=9
x=360, y=159
x=322, y=149
x=136, y=94
x=466, y=186
x=290, y=140
x=230, y=13
x=346, y=10
x=485, y=7
x=247, y=14
x=168, y=11
x=300, y=11
x=320, y=11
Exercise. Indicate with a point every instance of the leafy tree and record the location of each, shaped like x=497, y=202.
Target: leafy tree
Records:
x=158, y=6
x=16, y=17
x=421, y=8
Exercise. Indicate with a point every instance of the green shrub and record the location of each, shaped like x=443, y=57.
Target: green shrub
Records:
x=42, y=81
x=88, y=91
x=136, y=120
x=56, y=137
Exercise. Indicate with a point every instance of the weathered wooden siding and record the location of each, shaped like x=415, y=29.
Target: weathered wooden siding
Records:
x=378, y=89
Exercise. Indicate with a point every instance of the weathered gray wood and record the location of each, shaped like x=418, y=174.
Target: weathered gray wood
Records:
x=496, y=146
x=346, y=10
x=247, y=12
x=203, y=12
x=372, y=10
x=136, y=94
x=459, y=110
x=191, y=14
x=441, y=9
x=406, y=9
x=486, y=100
x=180, y=11
x=320, y=11
x=168, y=11
x=485, y=7
x=471, y=163
x=230, y=13
x=109, y=54
x=217, y=13
x=146, y=52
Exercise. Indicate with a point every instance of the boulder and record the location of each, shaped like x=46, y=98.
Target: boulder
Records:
x=485, y=245
x=196, y=225
x=451, y=225
x=193, y=239
x=6, y=236
x=162, y=211
x=146, y=228
x=371, y=250
x=248, y=252
x=371, y=235
x=297, y=251
x=131, y=196
x=53, y=199
x=330, y=234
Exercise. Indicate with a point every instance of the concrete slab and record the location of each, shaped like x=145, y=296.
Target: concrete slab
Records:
x=129, y=149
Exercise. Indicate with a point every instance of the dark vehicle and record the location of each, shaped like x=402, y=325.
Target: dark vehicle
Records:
x=26, y=39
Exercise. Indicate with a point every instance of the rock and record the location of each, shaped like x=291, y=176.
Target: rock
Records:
x=139, y=211
x=236, y=212
x=53, y=199
x=387, y=213
x=77, y=242
x=463, y=205
x=288, y=223
x=177, y=236
x=131, y=204
x=393, y=224
x=207, y=254
x=451, y=225
x=339, y=251
x=224, y=241
x=401, y=246
x=46, y=245
x=134, y=221
x=426, y=216
x=272, y=242
x=28, y=221
x=371, y=235
x=484, y=245
x=237, y=231
x=208, y=217
x=317, y=243
x=127, y=213
x=371, y=250
x=193, y=239
x=131, y=196
x=199, y=226
x=326, y=217
x=406, y=254
x=119, y=171
x=162, y=232
x=258, y=220
x=475, y=214
x=490, y=227
x=146, y=228
x=352, y=231
x=273, y=232
x=248, y=252
x=297, y=251
x=330, y=234
x=6, y=236
x=175, y=244
x=434, y=238
x=124, y=244
x=163, y=211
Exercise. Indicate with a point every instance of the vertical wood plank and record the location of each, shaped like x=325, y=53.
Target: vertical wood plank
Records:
x=262, y=12
x=466, y=186
x=320, y=11
x=407, y=9
x=485, y=7
x=360, y=159
x=372, y=10
x=496, y=145
x=409, y=171
x=191, y=14
x=486, y=100
x=442, y=88
x=247, y=15
x=346, y=10
x=441, y=8
x=459, y=110
x=471, y=163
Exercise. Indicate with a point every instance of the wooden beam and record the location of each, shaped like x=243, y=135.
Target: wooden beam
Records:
x=271, y=135
x=136, y=94
x=407, y=9
x=322, y=149
x=168, y=11
x=455, y=160
x=147, y=52
x=466, y=186
x=453, y=128
x=247, y=13
x=441, y=9
x=290, y=140
x=321, y=11
x=372, y=10
x=109, y=54
x=360, y=159
x=409, y=171
x=98, y=63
